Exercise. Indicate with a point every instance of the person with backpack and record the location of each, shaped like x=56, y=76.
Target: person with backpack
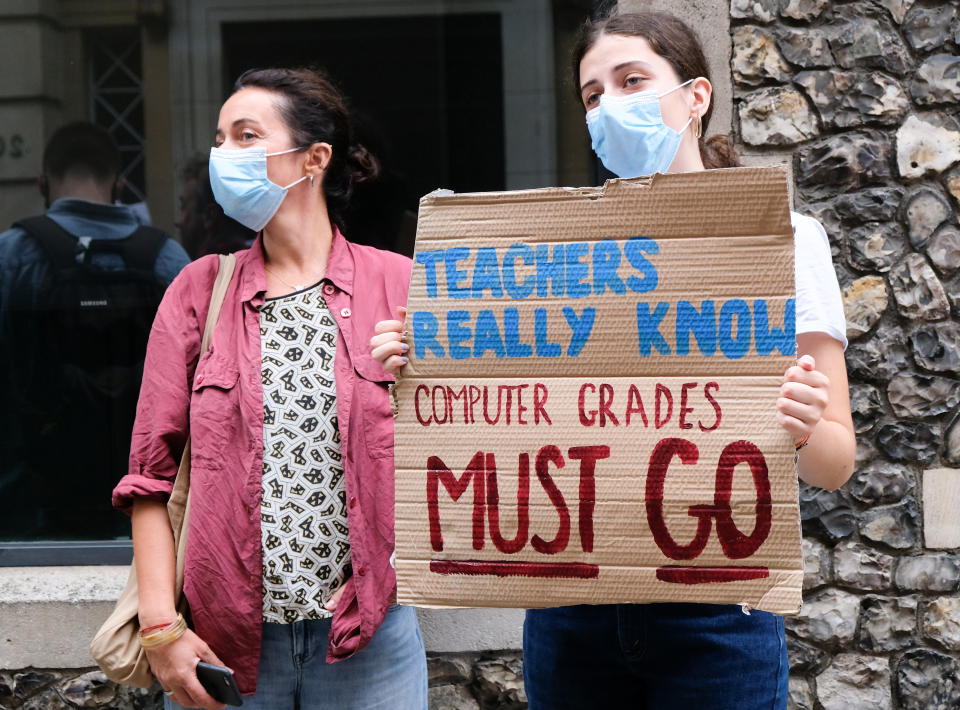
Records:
x=79, y=287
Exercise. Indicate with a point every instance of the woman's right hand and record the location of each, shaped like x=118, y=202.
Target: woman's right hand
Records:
x=175, y=666
x=387, y=346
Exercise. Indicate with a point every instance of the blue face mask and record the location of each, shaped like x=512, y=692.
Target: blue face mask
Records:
x=629, y=134
x=241, y=186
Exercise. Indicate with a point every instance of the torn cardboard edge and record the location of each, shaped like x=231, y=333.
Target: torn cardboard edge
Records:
x=759, y=189
x=748, y=205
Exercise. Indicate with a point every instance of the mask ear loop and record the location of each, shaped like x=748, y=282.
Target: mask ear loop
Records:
x=296, y=182
x=678, y=86
x=689, y=120
x=284, y=152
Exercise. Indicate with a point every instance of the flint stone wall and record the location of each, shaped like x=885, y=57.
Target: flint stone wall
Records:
x=865, y=97
x=490, y=680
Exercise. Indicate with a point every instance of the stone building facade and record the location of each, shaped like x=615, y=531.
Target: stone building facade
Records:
x=864, y=95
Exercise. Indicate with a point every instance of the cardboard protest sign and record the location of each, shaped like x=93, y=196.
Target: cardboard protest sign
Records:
x=589, y=410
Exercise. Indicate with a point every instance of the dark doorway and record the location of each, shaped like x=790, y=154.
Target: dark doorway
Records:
x=426, y=94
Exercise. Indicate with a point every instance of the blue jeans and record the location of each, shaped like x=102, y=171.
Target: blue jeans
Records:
x=389, y=674
x=654, y=657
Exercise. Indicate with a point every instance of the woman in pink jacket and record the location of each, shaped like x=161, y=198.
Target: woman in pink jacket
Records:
x=291, y=514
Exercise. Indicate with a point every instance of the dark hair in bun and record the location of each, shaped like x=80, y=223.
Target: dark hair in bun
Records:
x=316, y=112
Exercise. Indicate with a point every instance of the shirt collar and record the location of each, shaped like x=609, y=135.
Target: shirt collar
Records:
x=339, y=271
x=340, y=263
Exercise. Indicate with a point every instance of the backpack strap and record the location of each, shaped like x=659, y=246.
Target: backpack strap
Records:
x=58, y=244
x=139, y=250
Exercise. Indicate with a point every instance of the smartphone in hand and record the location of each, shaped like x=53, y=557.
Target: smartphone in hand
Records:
x=219, y=683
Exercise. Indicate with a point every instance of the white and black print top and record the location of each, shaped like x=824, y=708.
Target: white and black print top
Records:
x=303, y=513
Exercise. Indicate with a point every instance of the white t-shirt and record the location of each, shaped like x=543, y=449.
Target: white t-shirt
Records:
x=819, y=304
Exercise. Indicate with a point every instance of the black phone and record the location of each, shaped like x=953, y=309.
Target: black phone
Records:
x=219, y=682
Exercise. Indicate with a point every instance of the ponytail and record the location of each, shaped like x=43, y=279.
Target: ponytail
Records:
x=362, y=164
x=718, y=152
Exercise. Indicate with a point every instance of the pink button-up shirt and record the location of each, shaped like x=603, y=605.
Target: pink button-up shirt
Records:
x=218, y=400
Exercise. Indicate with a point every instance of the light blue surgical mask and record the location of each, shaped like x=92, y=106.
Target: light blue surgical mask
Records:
x=629, y=135
x=241, y=186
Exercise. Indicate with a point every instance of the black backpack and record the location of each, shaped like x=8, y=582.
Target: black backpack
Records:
x=74, y=352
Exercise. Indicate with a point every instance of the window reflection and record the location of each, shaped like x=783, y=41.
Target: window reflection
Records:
x=444, y=95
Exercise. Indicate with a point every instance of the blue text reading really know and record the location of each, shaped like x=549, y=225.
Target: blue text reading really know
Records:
x=577, y=271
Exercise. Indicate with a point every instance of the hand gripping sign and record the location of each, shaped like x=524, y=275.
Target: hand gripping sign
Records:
x=588, y=413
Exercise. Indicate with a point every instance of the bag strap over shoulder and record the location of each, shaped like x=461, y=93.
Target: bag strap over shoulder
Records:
x=177, y=504
x=59, y=246
x=139, y=249
x=228, y=262
x=116, y=647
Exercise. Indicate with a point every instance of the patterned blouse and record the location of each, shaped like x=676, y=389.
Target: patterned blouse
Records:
x=306, y=546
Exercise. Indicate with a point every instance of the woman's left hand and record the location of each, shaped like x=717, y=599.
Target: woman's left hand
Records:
x=387, y=346
x=804, y=396
x=333, y=601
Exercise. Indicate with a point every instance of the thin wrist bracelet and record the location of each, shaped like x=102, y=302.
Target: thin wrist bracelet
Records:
x=144, y=632
x=167, y=633
x=803, y=442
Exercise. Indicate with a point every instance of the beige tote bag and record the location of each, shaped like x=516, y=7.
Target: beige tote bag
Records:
x=116, y=647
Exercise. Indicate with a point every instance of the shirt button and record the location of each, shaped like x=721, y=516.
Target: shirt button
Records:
x=328, y=289
x=361, y=570
x=353, y=502
x=345, y=312
x=200, y=379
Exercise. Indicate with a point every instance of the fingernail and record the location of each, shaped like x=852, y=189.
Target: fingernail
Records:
x=404, y=347
x=404, y=359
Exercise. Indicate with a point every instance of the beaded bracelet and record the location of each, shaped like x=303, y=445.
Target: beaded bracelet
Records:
x=167, y=633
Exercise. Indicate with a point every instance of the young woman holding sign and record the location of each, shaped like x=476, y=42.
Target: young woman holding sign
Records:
x=644, y=83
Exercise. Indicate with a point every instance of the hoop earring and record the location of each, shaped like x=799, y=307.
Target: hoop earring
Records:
x=310, y=177
x=699, y=131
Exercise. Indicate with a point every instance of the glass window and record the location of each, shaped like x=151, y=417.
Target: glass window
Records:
x=71, y=343
x=443, y=95
x=115, y=91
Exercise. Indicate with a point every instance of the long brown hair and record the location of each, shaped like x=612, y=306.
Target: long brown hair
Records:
x=673, y=40
x=316, y=112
